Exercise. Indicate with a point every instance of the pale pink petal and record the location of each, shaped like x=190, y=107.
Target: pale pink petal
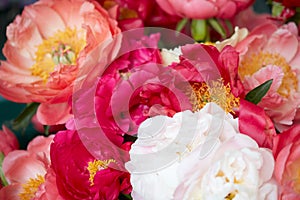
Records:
x=53, y=114
x=19, y=166
x=284, y=43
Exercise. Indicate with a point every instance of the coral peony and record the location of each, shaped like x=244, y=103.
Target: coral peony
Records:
x=79, y=175
x=28, y=172
x=8, y=141
x=286, y=151
x=202, y=9
x=42, y=58
x=269, y=52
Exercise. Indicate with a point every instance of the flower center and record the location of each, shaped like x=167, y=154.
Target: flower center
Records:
x=31, y=187
x=256, y=61
x=62, y=48
x=95, y=166
x=217, y=92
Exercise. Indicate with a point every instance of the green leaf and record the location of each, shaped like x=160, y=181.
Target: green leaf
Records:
x=125, y=196
x=277, y=9
x=217, y=27
x=199, y=29
x=259, y=92
x=24, y=119
x=2, y=177
x=181, y=24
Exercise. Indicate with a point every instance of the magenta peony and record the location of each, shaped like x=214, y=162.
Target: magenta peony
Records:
x=42, y=58
x=135, y=14
x=79, y=175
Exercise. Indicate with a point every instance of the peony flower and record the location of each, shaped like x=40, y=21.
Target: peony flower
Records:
x=286, y=152
x=79, y=175
x=28, y=172
x=204, y=9
x=42, y=58
x=144, y=13
x=149, y=86
x=269, y=52
x=164, y=142
x=8, y=141
x=236, y=169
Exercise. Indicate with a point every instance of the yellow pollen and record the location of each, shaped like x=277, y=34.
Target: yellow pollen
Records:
x=62, y=48
x=256, y=61
x=217, y=92
x=31, y=187
x=97, y=165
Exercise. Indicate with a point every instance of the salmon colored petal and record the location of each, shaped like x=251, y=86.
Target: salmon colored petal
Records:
x=41, y=145
x=17, y=56
x=41, y=14
x=19, y=166
x=11, y=192
x=71, y=18
x=53, y=114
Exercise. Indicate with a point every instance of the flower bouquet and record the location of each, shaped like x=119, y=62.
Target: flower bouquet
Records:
x=165, y=99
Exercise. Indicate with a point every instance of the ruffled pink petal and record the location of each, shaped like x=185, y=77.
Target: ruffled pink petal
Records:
x=53, y=114
x=280, y=164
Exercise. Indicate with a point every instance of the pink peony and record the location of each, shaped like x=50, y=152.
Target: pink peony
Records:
x=269, y=52
x=28, y=172
x=8, y=141
x=79, y=175
x=42, y=58
x=203, y=9
x=286, y=151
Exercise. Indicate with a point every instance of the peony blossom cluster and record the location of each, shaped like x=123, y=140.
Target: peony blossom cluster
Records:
x=132, y=107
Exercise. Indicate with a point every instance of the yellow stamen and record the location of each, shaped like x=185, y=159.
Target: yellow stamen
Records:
x=95, y=166
x=216, y=92
x=31, y=187
x=256, y=61
x=62, y=48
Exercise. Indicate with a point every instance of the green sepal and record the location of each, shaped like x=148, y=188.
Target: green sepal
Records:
x=2, y=177
x=259, y=92
x=181, y=24
x=199, y=29
x=217, y=27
